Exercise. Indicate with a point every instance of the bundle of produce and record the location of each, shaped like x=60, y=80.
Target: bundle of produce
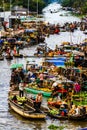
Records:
x=21, y=99
x=53, y=112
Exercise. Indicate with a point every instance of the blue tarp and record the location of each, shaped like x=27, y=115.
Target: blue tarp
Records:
x=1, y=41
x=59, y=58
x=29, y=30
x=57, y=62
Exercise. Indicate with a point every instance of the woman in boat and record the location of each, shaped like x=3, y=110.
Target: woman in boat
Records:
x=75, y=110
x=77, y=87
x=14, y=98
x=62, y=110
x=54, y=90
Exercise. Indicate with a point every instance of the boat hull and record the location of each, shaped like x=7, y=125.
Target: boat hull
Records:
x=26, y=114
x=18, y=56
x=77, y=118
x=31, y=90
x=58, y=116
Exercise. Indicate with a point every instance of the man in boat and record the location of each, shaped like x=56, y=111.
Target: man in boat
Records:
x=21, y=89
x=38, y=101
x=8, y=51
x=15, y=51
x=41, y=77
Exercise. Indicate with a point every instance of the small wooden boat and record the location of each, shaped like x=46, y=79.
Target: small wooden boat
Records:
x=85, y=32
x=1, y=57
x=77, y=117
x=83, y=128
x=58, y=116
x=18, y=56
x=9, y=57
x=31, y=90
x=26, y=111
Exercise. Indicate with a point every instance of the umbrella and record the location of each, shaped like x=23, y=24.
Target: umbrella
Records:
x=14, y=66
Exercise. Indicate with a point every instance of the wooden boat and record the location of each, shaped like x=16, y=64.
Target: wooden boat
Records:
x=31, y=90
x=26, y=111
x=77, y=117
x=1, y=57
x=9, y=57
x=18, y=56
x=58, y=116
x=83, y=128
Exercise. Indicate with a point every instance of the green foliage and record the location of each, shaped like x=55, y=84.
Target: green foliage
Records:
x=53, y=127
x=79, y=5
x=24, y=3
x=53, y=112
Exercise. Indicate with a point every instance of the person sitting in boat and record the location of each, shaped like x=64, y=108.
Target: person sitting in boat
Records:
x=62, y=110
x=21, y=89
x=54, y=90
x=77, y=87
x=77, y=110
x=82, y=110
x=38, y=101
x=72, y=110
x=14, y=98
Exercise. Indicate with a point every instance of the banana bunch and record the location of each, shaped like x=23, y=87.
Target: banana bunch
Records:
x=45, y=89
x=21, y=99
x=11, y=97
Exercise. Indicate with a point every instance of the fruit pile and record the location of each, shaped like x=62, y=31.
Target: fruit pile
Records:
x=19, y=99
x=53, y=111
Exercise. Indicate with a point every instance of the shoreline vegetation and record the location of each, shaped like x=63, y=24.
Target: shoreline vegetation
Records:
x=30, y=5
x=79, y=6
x=77, y=15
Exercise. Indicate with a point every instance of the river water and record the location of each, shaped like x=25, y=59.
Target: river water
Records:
x=10, y=120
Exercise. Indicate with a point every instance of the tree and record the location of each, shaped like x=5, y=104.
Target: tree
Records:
x=24, y=3
x=79, y=5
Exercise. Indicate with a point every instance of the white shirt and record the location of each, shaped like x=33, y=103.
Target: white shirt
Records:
x=21, y=86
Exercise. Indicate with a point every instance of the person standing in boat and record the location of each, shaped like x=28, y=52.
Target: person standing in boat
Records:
x=21, y=89
x=38, y=101
x=15, y=50
x=8, y=51
x=41, y=77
